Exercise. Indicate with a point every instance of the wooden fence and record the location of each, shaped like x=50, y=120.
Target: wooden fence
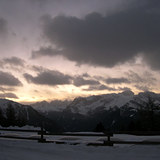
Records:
x=107, y=142
x=39, y=132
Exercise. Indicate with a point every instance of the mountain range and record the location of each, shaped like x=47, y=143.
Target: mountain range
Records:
x=115, y=111
x=90, y=105
x=16, y=114
x=121, y=111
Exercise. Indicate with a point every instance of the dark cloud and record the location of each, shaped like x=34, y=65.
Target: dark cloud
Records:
x=44, y=51
x=86, y=75
x=49, y=77
x=143, y=78
x=150, y=5
x=143, y=87
x=8, y=95
x=13, y=61
x=134, y=77
x=3, y=27
x=107, y=40
x=80, y=81
x=143, y=82
x=38, y=68
x=99, y=88
x=104, y=87
x=40, y=1
x=117, y=80
x=124, y=89
x=3, y=89
x=77, y=6
x=7, y=79
x=53, y=78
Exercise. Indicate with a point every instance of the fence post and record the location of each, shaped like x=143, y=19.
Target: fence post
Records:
x=108, y=142
x=42, y=139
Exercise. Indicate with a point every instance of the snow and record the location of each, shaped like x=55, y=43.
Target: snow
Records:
x=90, y=104
x=55, y=105
x=87, y=105
x=96, y=139
x=11, y=149
x=19, y=133
x=4, y=103
x=21, y=149
x=3, y=106
x=120, y=101
x=26, y=127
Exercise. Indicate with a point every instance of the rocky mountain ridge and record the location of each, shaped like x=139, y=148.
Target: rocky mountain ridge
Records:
x=92, y=104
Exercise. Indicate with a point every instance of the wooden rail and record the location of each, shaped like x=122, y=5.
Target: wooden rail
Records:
x=76, y=134
x=39, y=132
x=107, y=142
x=18, y=130
x=16, y=137
x=111, y=143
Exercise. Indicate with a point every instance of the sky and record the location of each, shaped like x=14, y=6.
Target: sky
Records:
x=62, y=49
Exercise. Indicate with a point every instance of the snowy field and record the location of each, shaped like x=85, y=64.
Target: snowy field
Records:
x=32, y=150
x=80, y=139
x=12, y=149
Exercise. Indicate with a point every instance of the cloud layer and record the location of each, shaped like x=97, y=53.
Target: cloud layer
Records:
x=12, y=62
x=52, y=78
x=3, y=27
x=106, y=40
x=117, y=80
x=8, y=79
x=8, y=95
x=80, y=81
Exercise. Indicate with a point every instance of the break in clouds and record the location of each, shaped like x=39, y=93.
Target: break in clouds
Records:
x=105, y=40
x=143, y=82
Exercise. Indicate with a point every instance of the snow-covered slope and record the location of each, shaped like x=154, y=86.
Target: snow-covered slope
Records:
x=18, y=108
x=56, y=105
x=92, y=104
x=102, y=102
x=31, y=150
x=125, y=99
x=143, y=99
x=13, y=113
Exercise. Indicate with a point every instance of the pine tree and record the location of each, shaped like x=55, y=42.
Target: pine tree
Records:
x=99, y=127
x=1, y=117
x=10, y=113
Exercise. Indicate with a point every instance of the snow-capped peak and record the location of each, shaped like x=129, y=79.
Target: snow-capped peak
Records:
x=91, y=104
x=55, y=105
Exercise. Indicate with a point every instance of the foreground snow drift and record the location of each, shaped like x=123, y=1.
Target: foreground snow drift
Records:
x=31, y=150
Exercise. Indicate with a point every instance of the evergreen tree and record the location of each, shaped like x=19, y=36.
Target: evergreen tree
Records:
x=10, y=113
x=21, y=120
x=131, y=126
x=151, y=108
x=99, y=127
x=1, y=117
x=147, y=117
